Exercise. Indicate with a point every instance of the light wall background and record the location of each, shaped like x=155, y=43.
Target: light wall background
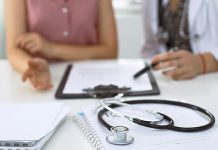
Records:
x=130, y=35
x=2, y=39
x=129, y=26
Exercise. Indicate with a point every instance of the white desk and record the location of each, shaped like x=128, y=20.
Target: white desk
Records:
x=202, y=91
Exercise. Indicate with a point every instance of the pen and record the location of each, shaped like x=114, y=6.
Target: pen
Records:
x=149, y=67
x=144, y=70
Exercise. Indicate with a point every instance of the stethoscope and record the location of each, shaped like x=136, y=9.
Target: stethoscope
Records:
x=120, y=135
x=164, y=36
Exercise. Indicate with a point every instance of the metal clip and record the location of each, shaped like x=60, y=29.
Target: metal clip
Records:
x=105, y=91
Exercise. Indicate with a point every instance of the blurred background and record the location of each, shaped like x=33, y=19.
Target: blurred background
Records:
x=129, y=25
x=2, y=39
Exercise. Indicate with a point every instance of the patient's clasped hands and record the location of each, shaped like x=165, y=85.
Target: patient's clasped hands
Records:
x=35, y=44
x=38, y=70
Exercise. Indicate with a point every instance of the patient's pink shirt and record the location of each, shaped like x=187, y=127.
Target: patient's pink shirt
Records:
x=64, y=21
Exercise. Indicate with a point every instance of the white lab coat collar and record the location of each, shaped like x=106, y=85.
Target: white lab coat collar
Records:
x=193, y=11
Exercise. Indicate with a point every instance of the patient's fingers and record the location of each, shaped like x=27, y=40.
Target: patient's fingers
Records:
x=26, y=75
x=31, y=47
x=33, y=64
x=24, y=40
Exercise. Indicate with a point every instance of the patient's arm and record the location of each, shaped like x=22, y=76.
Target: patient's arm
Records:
x=21, y=61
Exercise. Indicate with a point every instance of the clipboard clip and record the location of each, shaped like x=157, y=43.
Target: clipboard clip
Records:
x=105, y=91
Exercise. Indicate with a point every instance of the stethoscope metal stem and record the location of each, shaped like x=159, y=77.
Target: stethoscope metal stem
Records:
x=117, y=100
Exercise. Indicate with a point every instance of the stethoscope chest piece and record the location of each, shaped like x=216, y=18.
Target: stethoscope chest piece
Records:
x=120, y=136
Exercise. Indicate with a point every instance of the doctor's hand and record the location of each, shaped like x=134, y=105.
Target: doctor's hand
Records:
x=38, y=74
x=183, y=64
x=34, y=43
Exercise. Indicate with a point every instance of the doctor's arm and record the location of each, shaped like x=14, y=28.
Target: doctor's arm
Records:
x=106, y=47
x=210, y=63
x=33, y=69
x=185, y=65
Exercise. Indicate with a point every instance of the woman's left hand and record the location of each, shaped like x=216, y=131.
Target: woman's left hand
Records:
x=184, y=64
x=34, y=43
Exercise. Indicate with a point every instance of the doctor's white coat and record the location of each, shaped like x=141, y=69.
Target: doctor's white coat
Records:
x=208, y=31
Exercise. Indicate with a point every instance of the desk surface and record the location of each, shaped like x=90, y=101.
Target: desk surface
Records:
x=201, y=91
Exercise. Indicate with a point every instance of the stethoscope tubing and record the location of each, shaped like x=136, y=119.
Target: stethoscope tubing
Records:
x=204, y=5
x=204, y=10
x=171, y=125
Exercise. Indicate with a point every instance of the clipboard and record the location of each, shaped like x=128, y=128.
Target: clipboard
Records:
x=61, y=95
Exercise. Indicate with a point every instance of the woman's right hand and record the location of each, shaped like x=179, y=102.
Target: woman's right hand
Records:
x=38, y=74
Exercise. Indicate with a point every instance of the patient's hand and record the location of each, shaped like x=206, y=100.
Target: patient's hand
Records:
x=34, y=43
x=38, y=74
